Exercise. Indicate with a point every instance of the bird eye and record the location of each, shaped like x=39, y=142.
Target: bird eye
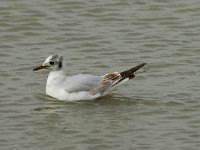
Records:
x=51, y=63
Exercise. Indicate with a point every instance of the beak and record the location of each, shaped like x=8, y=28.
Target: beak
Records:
x=40, y=67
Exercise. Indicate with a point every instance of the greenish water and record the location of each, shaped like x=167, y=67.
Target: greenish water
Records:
x=159, y=109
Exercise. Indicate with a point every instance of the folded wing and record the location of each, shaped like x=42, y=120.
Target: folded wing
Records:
x=110, y=80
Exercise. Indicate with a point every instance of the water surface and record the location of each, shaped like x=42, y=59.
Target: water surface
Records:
x=159, y=109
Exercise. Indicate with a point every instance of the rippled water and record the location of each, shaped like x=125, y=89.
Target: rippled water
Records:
x=160, y=109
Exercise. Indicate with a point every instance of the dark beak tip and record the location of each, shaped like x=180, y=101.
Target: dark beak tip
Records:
x=37, y=68
x=40, y=67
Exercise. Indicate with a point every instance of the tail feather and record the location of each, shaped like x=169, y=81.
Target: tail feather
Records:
x=130, y=73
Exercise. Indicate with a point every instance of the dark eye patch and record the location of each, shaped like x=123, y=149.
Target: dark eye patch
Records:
x=51, y=63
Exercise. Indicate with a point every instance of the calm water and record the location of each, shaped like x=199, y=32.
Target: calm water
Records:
x=160, y=109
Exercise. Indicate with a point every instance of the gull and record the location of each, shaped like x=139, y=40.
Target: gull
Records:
x=81, y=86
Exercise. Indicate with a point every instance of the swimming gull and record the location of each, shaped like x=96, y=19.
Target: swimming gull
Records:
x=81, y=86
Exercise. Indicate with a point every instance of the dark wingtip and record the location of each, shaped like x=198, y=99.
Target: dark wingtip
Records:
x=143, y=64
x=134, y=69
x=130, y=72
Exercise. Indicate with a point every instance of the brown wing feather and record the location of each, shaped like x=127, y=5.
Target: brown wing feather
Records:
x=116, y=77
x=111, y=79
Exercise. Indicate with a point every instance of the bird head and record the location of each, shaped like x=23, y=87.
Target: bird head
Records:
x=53, y=62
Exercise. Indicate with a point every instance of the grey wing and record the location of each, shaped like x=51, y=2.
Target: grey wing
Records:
x=82, y=82
x=99, y=84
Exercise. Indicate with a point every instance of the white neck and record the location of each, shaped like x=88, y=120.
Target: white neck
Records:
x=57, y=77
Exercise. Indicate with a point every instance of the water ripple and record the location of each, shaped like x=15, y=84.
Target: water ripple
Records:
x=159, y=109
